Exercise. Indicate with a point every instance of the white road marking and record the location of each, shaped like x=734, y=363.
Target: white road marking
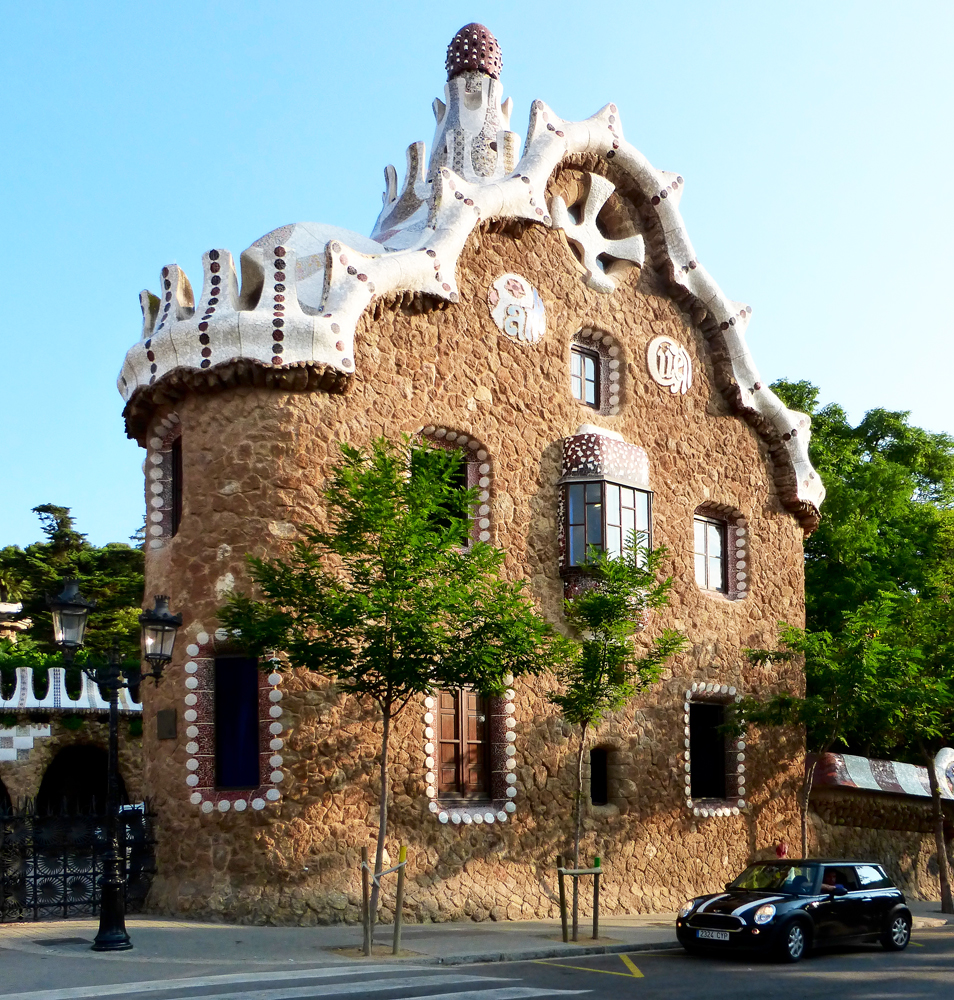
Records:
x=343, y=989
x=158, y=985
x=504, y=993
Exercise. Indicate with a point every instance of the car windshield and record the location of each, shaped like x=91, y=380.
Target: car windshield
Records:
x=796, y=880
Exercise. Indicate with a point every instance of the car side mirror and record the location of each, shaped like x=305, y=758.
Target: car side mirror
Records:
x=729, y=887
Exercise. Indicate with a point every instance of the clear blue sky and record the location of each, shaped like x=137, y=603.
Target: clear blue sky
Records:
x=815, y=139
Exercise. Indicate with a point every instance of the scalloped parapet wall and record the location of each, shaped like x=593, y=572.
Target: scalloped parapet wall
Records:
x=56, y=699
x=291, y=324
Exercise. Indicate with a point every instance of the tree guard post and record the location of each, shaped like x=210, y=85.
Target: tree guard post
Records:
x=596, y=899
x=399, y=901
x=561, y=881
x=365, y=903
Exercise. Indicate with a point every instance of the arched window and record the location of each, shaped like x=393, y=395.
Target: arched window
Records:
x=720, y=550
x=5, y=804
x=164, y=482
x=595, y=370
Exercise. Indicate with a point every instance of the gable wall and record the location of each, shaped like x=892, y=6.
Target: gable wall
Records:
x=253, y=462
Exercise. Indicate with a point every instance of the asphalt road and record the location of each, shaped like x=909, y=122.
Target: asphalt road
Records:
x=925, y=970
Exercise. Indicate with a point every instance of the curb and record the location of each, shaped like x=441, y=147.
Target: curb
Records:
x=531, y=954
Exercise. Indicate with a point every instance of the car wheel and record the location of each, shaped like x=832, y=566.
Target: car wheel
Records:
x=692, y=949
x=898, y=933
x=794, y=942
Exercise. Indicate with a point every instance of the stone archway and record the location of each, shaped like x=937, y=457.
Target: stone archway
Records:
x=75, y=782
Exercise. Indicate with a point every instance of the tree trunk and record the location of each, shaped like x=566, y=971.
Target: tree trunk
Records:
x=579, y=821
x=806, y=795
x=943, y=869
x=579, y=797
x=382, y=816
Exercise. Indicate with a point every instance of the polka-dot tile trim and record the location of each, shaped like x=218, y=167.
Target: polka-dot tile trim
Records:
x=737, y=546
x=723, y=694
x=479, y=469
x=199, y=716
x=503, y=764
x=612, y=366
x=157, y=469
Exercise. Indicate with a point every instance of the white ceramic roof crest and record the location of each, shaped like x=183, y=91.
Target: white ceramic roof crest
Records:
x=312, y=282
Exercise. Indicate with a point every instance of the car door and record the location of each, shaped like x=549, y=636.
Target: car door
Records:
x=878, y=895
x=840, y=916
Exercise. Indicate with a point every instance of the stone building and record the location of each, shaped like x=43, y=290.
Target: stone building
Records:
x=545, y=313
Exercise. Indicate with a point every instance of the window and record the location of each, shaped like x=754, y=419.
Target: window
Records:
x=710, y=553
x=599, y=776
x=707, y=750
x=236, y=723
x=463, y=765
x=604, y=515
x=176, y=469
x=585, y=375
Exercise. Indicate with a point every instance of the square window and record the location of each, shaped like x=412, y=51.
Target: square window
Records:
x=711, y=566
x=585, y=376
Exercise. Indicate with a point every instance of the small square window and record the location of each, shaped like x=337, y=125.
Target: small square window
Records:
x=585, y=376
x=710, y=553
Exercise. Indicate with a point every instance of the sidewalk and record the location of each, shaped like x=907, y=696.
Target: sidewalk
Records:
x=189, y=942
x=56, y=953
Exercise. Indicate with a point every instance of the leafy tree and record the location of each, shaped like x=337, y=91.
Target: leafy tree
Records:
x=888, y=518
x=843, y=673
x=111, y=575
x=393, y=600
x=606, y=669
x=919, y=691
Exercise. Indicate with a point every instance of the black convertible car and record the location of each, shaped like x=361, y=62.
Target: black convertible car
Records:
x=787, y=907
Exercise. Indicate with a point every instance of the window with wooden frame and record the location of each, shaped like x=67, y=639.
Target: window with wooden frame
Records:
x=603, y=515
x=585, y=372
x=463, y=745
x=710, y=553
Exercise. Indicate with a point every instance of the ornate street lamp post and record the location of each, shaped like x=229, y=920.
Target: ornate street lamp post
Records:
x=158, y=625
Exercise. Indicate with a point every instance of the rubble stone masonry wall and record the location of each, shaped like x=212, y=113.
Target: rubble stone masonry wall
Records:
x=896, y=830
x=253, y=465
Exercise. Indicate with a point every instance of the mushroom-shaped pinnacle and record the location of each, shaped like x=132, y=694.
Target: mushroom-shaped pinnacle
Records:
x=473, y=49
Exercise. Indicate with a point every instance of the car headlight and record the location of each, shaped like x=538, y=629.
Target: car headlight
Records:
x=686, y=908
x=764, y=914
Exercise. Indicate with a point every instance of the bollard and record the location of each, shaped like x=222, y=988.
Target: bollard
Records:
x=399, y=902
x=561, y=881
x=576, y=907
x=596, y=900
x=365, y=903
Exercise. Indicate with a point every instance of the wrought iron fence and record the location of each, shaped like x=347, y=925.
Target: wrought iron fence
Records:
x=51, y=865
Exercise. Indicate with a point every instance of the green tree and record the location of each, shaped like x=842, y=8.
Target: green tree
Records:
x=608, y=667
x=919, y=694
x=393, y=600
x=888, y=518
x=843, y=683
x=111, y=575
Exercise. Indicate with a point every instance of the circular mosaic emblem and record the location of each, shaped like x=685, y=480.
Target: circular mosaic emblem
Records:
x=669, y=364
x=517, y=309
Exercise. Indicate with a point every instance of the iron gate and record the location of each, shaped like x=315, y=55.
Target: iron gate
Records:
x=50, y=866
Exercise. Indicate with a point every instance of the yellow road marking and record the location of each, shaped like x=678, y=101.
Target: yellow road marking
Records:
x=915, y=944
x=628, y=962
x=634, y=973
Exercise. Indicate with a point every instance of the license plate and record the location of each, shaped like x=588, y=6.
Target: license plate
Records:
x=713, y=935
